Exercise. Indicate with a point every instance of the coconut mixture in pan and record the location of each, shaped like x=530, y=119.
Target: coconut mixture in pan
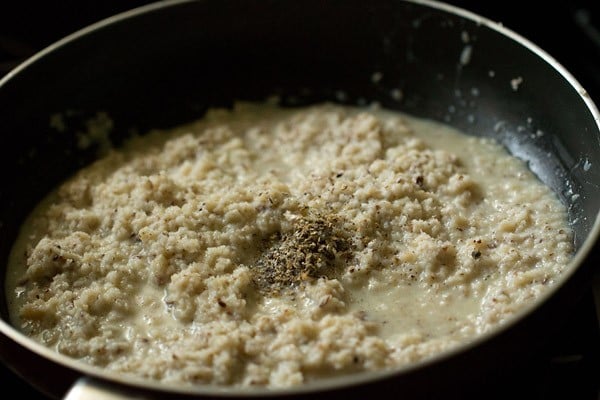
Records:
x=272, y=247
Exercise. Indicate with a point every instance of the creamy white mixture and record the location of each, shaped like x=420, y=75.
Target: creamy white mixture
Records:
x=271, y=247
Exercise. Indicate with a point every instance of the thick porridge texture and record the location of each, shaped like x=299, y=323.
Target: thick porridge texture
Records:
x=272, y=247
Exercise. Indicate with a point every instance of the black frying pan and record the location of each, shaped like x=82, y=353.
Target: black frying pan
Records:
x=164, y=64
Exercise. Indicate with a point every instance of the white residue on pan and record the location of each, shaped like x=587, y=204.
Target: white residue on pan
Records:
x=491, y=73
x=500, y=126
x=586, y=165
x=515, y=83
x=396, y=94
x=464, y=36
x=568, y=191
x=97, y=133
x=376, y=77
x=537, y=134
x=97, y=130
x=340, y=95
x=57, y=121
x=374, y=105
x=273, y=100
x=465, y=55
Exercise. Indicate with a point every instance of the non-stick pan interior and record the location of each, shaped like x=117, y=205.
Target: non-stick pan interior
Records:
x=168, y=64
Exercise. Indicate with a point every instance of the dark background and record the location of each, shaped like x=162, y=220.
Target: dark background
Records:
x=569, y=366
x=568, y=30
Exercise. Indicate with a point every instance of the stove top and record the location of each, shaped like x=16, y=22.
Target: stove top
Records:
x=568, y=366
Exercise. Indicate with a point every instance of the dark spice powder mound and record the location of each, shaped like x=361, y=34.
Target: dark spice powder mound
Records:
x=316, y=247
